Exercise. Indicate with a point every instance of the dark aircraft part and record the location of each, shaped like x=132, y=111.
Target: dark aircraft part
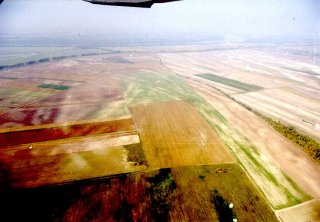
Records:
x=1, y=1
x=129, y=3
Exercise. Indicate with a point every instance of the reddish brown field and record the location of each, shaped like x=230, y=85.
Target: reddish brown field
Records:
x=56, y=162
x=64, y=131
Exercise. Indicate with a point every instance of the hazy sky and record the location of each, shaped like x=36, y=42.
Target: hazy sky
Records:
x=230, y=18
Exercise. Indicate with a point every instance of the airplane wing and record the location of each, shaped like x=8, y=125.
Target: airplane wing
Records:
x=129, y=3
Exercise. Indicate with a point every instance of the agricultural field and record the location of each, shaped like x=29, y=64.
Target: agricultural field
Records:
x=22, y=135
x=309, y=211
x=175, y=134
x=267, y=141
x=290, y=83
x=264, y=166
x=135, y=128
x=24, y=102
x=159, y=195
x=230, y=82
x=54, y=154
x=150, y=86
x=59, y=128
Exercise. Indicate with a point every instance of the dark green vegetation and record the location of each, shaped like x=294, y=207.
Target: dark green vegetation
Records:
x=136, y=153
x=118, y=60
x=5, y=77
x=13, y=57
x=308, y=144
x=225, y=212
x=161, y=187
x=230, y=82
x=54, y=86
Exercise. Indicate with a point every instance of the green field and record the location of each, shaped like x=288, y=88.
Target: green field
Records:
x=230, y=82
x=54, y=86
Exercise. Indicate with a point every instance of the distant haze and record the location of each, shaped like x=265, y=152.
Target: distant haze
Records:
x=228, y=20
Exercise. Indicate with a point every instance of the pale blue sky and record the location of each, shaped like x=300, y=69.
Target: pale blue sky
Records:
x=229, y=18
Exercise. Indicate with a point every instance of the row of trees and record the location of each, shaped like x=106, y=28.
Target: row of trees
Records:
x=46, y=60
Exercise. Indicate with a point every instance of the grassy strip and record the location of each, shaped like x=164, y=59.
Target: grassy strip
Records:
x=230, y=82
x=292, y=200
x=261, y=168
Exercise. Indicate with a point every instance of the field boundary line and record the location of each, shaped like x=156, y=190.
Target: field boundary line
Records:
x=63, y=124
x=297, y=205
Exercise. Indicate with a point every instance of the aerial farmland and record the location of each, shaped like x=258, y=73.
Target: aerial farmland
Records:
x=160, y=111
x=128, y=146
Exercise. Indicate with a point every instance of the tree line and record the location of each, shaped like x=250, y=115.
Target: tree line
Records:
x=308, y=144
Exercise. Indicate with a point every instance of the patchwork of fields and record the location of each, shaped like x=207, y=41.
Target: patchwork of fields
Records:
x=122, y=136
x=57, y=129
x=285, y=86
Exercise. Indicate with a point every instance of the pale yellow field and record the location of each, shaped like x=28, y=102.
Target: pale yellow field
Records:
x=175, y=134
